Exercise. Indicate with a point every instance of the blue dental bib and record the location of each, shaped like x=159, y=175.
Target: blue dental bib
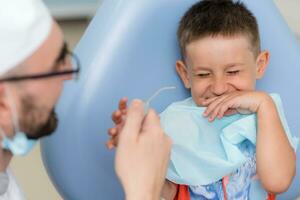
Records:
x=204, y=152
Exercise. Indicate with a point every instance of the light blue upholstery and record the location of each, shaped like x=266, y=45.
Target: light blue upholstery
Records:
x=129, y=49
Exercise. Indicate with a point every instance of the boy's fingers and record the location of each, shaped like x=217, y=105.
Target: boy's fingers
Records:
x=123, y=103
x=211, y=107
x=206, y=102
x=230, y=112
x=116, y=116
x=115, y=140
x=109, y=144
x=112, y=131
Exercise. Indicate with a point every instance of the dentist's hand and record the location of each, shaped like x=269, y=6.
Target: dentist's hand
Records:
x=142, y=154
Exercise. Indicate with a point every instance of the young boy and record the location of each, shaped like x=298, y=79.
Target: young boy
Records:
x=221, y=61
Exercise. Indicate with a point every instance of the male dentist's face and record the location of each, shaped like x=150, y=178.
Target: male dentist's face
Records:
x=218, y=65
x=37, y=98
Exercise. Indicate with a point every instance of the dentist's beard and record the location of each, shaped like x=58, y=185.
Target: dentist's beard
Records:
x=31, y=122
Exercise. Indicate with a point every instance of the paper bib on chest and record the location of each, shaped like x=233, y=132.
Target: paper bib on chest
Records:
x=203, y=152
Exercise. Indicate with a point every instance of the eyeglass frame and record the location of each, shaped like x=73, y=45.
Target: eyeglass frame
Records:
x=64, y=52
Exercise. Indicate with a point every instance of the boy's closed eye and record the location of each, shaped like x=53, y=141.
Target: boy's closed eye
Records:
x=233, y=72
x=203, y=75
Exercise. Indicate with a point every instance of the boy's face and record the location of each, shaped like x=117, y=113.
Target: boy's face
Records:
x=218, y=65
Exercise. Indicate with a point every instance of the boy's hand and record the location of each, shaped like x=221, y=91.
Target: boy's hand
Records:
x=118, y=118
x=233, y=102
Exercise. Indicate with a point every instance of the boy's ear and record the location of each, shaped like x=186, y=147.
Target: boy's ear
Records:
x=262, y=63
x=182, y=72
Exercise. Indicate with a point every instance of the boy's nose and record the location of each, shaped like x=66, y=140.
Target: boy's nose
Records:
x=219, y=87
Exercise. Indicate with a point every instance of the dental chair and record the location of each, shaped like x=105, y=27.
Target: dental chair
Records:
x=130, y=49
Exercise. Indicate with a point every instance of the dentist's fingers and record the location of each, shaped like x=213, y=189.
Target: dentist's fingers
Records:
x=143, y=152
x=152, y=122
x=134, y=120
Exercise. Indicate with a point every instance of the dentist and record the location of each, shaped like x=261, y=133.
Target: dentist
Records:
x=34, y=64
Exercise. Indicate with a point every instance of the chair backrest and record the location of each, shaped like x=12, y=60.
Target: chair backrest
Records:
x=130, y=49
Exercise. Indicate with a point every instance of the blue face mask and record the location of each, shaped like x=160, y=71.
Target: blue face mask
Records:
x=19, y=145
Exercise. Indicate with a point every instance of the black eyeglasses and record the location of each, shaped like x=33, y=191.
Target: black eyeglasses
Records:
x=65, y=59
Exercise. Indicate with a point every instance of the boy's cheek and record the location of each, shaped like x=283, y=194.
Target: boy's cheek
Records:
x=245, y=82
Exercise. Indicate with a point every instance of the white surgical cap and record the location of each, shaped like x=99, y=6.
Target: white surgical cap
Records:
x=24, y=26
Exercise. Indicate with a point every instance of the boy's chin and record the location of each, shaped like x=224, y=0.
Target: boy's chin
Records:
x=199, y=103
